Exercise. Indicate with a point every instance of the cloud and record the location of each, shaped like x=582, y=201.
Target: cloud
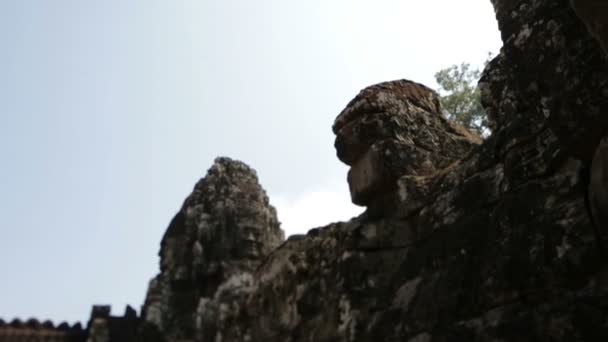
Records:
x=312, y=209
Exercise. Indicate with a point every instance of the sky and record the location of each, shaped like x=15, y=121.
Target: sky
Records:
x=110, y=111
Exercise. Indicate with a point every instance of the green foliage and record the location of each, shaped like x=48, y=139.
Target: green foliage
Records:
x=460, y=96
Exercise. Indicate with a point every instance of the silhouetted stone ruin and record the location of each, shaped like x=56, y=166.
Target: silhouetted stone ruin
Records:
x=101, y=327
x=33, y=330
x=462, y=239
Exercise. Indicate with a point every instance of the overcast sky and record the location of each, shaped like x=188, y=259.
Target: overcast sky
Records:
x=111, y=110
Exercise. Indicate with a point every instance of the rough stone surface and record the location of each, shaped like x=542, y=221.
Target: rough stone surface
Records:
x=551, y=73
x=598, y=190
x=594, y=13
x=217, y=239
x=394, y=129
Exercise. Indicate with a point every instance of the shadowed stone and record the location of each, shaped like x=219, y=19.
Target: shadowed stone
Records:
x=395, y=129
x=223, y=230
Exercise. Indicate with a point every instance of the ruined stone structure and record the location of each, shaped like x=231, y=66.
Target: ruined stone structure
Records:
x=211, y=249
x=462, y=239
x=393, y=130
x=102, y=327
x=33, y=330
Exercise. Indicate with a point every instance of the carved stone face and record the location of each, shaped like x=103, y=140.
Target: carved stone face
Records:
x=248, y=229
x=225, y=227
x=395, y=129
x=231, y=235
x=249, y=243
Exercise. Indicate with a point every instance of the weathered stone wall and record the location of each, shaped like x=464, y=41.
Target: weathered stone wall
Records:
x=33, y=330
x=101, y=327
